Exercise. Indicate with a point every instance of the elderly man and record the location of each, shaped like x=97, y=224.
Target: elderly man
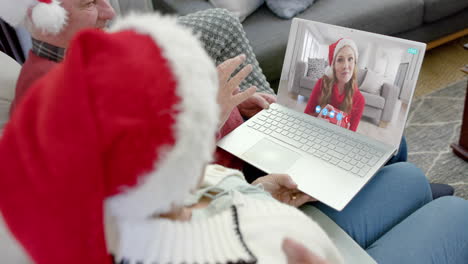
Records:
x=49, y=48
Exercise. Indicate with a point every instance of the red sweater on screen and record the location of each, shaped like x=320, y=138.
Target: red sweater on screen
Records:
x=336, y=100
x=33, y=68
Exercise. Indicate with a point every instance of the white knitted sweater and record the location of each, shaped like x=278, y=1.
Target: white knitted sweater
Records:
x=241, y=225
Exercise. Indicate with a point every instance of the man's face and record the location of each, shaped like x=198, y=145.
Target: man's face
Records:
x=83, y=14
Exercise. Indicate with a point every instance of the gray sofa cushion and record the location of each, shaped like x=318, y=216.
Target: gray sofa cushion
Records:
x=240, y=8
x=181, y=7
x=372, y=83
x=8, y=76
x=308, y=82
x=360, y=76
x=373, y=100
x=437, y=9
x=316, y=68
x=267, y=33
x=288, y=9
x=431, y=31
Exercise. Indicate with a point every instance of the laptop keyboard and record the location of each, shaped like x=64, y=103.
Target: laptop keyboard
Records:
x=329, y=145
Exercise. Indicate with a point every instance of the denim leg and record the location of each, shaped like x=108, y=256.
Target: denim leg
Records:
x=437, y=233
x=392, y=195
x=402, y=154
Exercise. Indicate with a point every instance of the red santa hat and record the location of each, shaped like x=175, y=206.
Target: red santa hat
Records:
x=126, y=122
x=334, y=48
x=46, y=15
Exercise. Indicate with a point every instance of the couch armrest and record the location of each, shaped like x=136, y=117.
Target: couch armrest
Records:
x=299, y=72
x=389, y=92
x=8, y=77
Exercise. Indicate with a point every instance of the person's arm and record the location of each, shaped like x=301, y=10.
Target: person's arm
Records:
x=314, y=98
x=357, y=110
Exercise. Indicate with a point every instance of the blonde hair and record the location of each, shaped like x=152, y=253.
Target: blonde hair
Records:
x=327, y=89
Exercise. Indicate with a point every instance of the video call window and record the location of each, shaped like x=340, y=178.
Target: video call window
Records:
x=356, y=80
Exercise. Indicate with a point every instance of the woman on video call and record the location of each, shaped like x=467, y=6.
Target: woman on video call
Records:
x=336, y=96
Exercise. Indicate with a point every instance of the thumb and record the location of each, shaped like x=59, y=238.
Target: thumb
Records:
x=261, y=101
x=268, y=97
x=298, y=254
x=295, y=252
x=286, y=181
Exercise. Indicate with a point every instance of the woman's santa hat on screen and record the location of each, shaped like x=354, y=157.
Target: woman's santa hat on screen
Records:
x=46, y=15
x=334, y=48
x=127, y=122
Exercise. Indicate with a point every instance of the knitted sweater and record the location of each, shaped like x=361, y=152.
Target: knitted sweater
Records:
x=336, y=100
x=243, y=224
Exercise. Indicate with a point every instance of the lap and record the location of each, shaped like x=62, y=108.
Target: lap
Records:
x=402, y=154
x=392, y=195
x=436, y=233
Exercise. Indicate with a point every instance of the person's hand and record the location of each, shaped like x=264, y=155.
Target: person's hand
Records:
x=283, y=189
x=229, y=95
x=255, y=104
x=298, y=254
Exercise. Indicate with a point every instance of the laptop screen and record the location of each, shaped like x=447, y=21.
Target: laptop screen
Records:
x=357, y=80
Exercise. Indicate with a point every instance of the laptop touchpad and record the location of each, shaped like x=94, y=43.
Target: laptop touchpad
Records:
x=270, y=156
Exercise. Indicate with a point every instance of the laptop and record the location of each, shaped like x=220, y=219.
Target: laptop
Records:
x=332, y=151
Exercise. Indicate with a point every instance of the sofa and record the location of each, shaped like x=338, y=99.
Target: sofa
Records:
x=8, y=75
x=10, y=251
x=420, y=20
x=380, y=103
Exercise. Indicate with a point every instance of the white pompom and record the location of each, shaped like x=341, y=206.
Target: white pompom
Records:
x=50, y=18
x=329, y=72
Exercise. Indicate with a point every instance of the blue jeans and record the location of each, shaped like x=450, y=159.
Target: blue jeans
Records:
x=402, y=154
x=436, y=233
x=395, y=210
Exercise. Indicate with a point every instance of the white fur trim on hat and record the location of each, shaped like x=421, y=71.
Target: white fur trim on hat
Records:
x=329, y=71
x=179, y=170
x=50, y=18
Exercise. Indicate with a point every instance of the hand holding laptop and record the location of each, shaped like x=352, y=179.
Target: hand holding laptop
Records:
x=255, y=104
x=283, y=188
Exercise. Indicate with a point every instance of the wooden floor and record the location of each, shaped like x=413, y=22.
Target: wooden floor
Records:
x=441, y=66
